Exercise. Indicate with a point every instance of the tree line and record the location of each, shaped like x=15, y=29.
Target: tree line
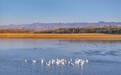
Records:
x=88, y=29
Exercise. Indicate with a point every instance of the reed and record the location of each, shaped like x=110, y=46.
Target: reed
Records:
x=84, y=36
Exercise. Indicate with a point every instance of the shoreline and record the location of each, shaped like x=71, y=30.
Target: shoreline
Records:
x=84, y=36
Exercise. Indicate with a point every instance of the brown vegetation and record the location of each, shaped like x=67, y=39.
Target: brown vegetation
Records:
x=63, y=36
x=84, y=33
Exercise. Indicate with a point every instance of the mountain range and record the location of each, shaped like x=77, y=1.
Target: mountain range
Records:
x=49, y=26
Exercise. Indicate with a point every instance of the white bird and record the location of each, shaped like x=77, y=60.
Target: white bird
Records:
x=62, y=63
x=48, y=64
x=86, y=61
x=25, y=60
x=57, y=61
x=34, y=61
x=82, y=63
x=53, y=61
x=42, y=61
x=76, y=62
x=71, y=64
x=71, y=60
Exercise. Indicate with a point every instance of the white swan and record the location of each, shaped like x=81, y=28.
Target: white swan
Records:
x=82, y=63
x=86, y=61
x=34, y=61
x=25, y=60
x=53, y=61
x=49, y=63
x=42, y=61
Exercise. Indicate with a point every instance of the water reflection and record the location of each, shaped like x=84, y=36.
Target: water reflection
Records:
x=94, y=41
x=101, y=53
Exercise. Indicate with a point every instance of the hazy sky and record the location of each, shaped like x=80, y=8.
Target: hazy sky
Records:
x=30, y=11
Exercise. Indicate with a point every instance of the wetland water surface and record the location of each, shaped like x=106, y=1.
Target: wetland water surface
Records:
x=16, y=57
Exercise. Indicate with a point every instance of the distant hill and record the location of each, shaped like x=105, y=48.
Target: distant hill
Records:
x=50, y=26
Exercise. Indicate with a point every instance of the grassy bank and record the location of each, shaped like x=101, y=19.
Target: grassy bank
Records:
x=62, y=36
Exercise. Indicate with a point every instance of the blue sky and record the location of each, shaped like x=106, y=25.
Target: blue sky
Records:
x=48, y=11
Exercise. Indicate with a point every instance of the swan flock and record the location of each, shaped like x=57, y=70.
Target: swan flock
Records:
x=61, y=62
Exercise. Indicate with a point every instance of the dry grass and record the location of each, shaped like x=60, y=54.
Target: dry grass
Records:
x=85, y=36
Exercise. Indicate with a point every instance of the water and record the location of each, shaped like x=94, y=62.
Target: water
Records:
x=104, y=57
